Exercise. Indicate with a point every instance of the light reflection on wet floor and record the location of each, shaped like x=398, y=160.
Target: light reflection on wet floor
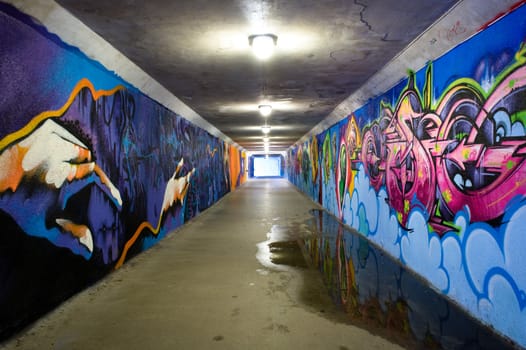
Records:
x=376, y=292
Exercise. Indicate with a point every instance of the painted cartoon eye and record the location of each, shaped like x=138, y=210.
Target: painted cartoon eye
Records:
x=462, y=182
x=502, y=125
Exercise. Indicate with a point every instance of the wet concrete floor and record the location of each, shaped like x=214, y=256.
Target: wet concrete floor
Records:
x=246, y=274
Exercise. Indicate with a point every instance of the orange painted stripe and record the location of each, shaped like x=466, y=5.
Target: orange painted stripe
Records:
x=36, y=121
x=146, y=224
x=136, y=235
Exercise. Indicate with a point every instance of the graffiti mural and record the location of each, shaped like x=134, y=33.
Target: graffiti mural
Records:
x=468, y=151
x=380, y=295
x=92, y=172
x=350, y=143
x=433, y=171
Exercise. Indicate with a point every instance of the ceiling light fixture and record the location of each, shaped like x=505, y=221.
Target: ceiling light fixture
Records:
x=265, y=110
x=263, y=44
x=266, y=139
x=265, y=129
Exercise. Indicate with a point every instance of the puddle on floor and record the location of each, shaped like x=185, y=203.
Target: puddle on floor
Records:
x=378, y=294
x=281, y=250
x=286, y=253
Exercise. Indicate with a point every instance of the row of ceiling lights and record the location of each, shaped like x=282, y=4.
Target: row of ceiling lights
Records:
x=263, y=47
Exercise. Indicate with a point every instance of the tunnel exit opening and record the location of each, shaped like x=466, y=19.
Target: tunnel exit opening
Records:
x=266, y=166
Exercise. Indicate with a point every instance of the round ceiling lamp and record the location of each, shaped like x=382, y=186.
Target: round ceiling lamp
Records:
x=265, y=129
x=265, y=110
x=263, y=45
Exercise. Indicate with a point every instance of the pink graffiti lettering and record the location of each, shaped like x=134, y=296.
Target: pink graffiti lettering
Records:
x=467, y=152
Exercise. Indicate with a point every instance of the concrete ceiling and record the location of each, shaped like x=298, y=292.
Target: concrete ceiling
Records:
x=198, y=50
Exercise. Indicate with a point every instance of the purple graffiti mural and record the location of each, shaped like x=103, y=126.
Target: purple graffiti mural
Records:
x=92, y=172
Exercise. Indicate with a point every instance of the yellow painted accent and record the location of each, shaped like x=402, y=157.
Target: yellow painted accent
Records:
x=466, y=153
x=520, y=55
x=447, y=196
x=36, y=121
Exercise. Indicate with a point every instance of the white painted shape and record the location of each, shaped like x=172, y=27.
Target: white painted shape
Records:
x=87, y=240
x=51, y=148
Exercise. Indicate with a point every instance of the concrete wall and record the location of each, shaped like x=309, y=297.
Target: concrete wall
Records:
x=92, y=171
x=433, y=171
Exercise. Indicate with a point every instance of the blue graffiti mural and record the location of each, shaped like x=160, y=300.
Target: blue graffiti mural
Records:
x=439, y=181
x=381, y=295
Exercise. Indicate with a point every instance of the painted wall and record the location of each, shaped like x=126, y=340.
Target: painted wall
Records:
x=92, y=172
x=433, y=171
x=236, y=161
x=383, y=297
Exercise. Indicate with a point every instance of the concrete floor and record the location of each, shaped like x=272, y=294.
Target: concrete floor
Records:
x=210, y=285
